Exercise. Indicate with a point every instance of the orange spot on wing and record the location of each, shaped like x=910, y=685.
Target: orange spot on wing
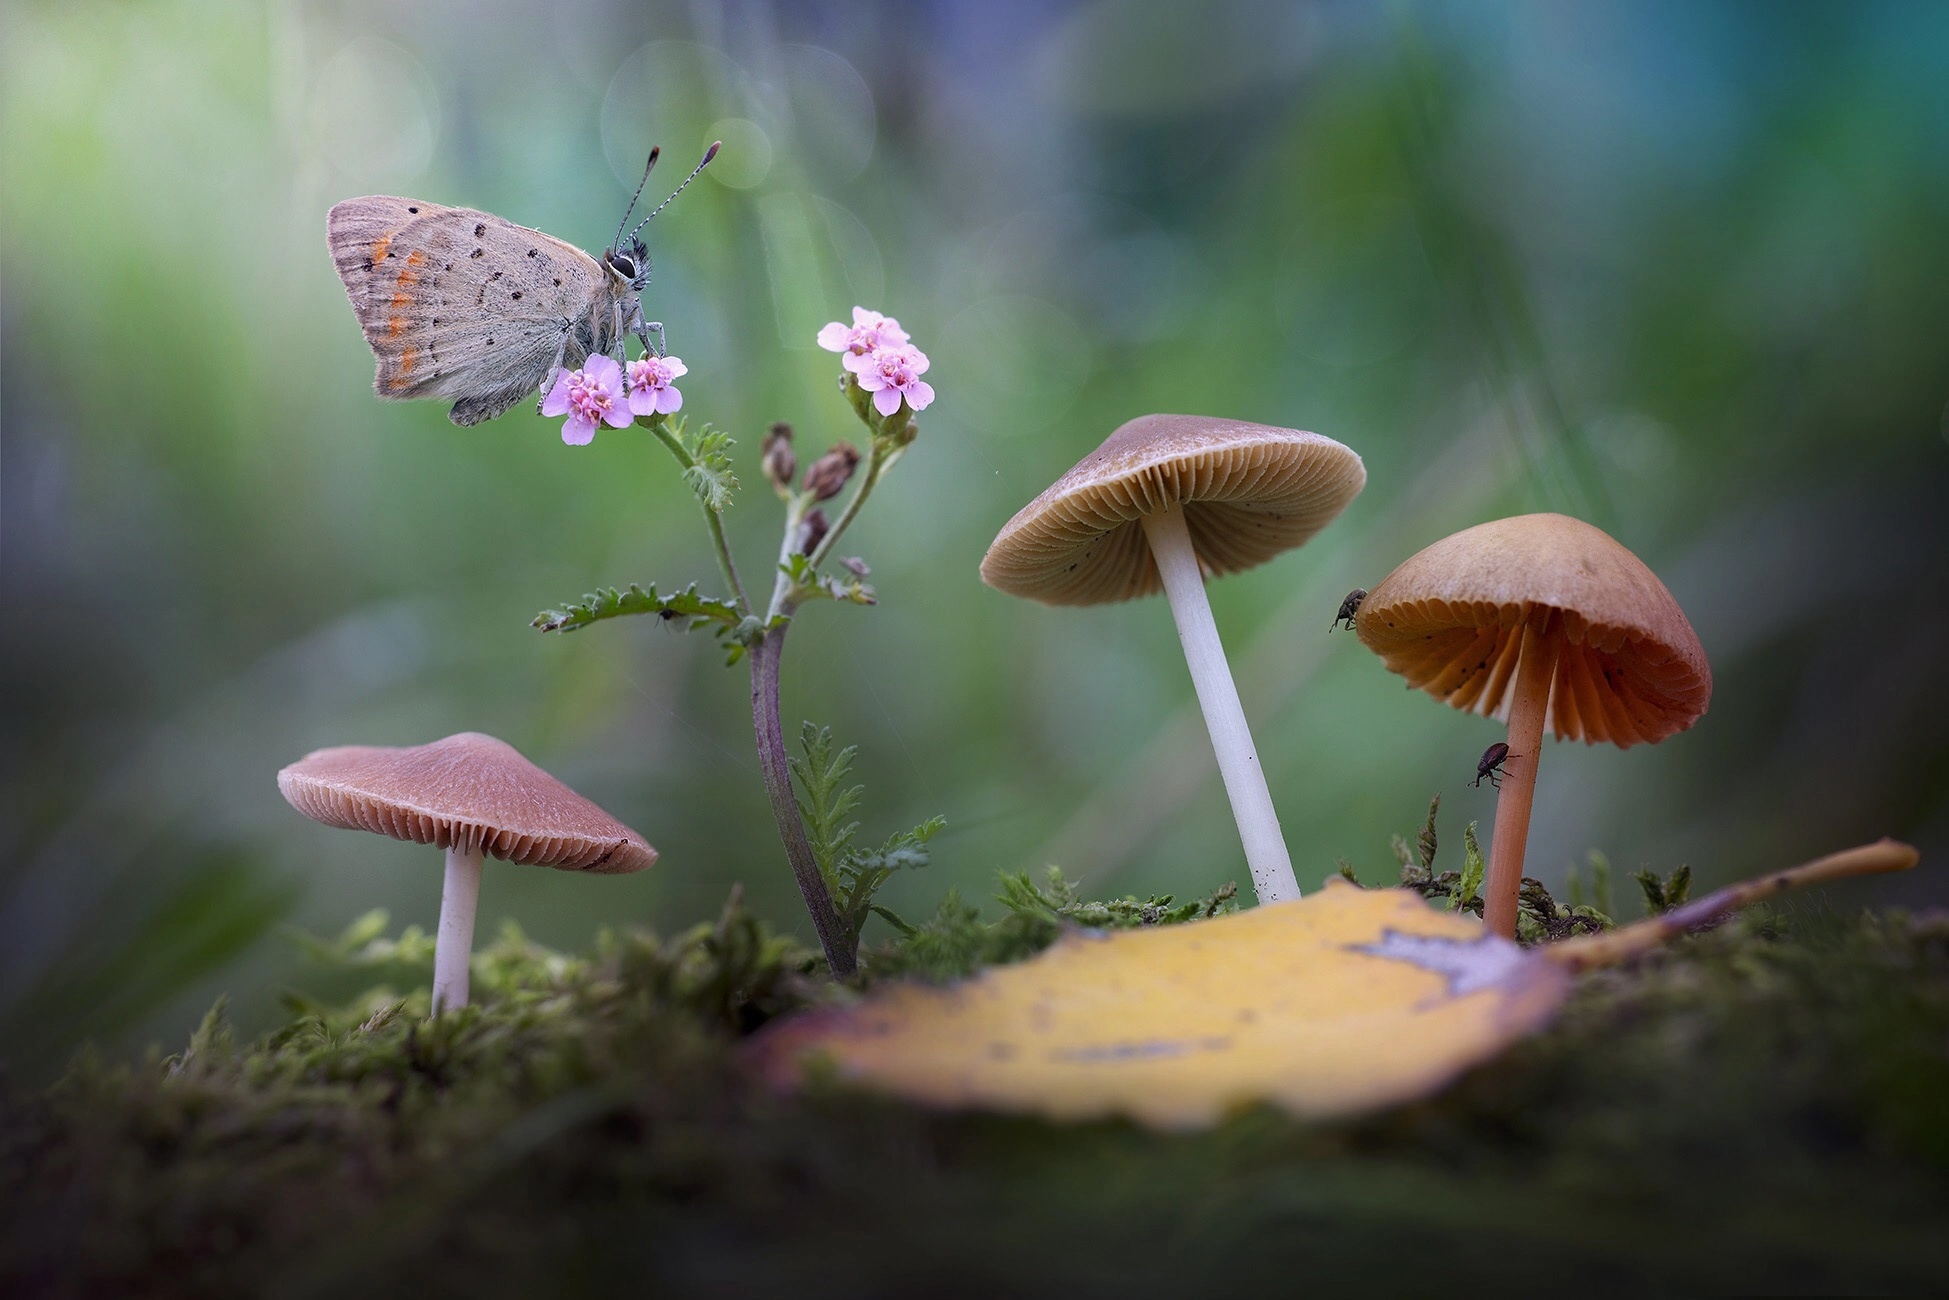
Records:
x=416, y=259
x=395, y=326
x=406, y=359
x=379, y=247
x=402, y=299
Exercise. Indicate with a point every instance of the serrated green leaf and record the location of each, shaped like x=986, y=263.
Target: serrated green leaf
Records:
x=613, y=603
x=709, y=475
x=827, y=803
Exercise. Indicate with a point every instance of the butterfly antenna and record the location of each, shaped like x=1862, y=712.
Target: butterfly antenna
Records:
x=709, y=154
x=648, y=167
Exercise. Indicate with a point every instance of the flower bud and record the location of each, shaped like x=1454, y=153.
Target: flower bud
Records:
x=828, y=475
x=812, y=530
x=779, y=460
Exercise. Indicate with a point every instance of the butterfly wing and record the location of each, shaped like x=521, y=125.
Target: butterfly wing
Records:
x=462, y=304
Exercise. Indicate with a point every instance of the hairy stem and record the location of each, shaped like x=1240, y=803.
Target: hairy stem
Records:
x=833, y=936
x=781, y=586
x=726, y=565
x=1534, y=672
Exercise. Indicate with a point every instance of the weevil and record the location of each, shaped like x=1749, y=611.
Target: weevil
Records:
x=1348, y=608
x=1491, y=765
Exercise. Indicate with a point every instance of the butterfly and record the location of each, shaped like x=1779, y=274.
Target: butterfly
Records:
x=466, y=305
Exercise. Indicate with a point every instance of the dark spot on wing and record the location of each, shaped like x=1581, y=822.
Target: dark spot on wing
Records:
x=492, y=278
x=531, y=252
x=368, y=266
x=447, y=267
x=558, y=279
x=490, y=343
x=480, y=228
x=476, y=253
x=517, y=295
x=413, y=210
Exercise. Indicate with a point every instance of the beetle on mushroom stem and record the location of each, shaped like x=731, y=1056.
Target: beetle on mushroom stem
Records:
x=1348, y=609
x=1490, y=765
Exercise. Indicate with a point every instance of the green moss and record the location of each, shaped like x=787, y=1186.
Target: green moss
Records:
x=1758, y=1108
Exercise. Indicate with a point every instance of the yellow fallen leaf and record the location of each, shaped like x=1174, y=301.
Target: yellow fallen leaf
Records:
x=1342, y=1001
x=1347, y=1000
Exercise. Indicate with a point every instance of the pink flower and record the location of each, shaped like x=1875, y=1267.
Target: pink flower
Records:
x=891, y=374
x=869, y=331
x=649, y=385
x=593, y=393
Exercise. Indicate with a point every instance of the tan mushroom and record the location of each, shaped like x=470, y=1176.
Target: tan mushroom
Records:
x=1537, y=621
x=1164, y=502
x=473, y=796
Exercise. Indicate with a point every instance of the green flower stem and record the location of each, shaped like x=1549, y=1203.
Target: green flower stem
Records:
x=837, y=941
x=726, y=565
x=877, y=463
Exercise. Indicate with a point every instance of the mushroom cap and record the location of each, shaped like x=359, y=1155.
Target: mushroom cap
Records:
x=1629, y=667
x=1249, y=491
x=468, y=790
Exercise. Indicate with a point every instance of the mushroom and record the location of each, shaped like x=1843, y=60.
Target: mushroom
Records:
x=1538, y=620
x=472, y=795
x=1165, y=501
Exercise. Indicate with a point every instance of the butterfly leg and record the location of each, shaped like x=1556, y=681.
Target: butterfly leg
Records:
x=619, y=331
x=555, y=366
x=643, y=331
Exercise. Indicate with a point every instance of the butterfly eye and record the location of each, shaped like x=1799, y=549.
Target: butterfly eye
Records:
x=623, y=265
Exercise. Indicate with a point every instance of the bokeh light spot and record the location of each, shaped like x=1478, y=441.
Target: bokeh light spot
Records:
x=745, y=160
x=374, y=113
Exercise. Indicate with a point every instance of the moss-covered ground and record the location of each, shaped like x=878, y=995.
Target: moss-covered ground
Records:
x=1763, y=1108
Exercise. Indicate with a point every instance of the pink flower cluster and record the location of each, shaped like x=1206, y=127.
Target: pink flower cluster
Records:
x=597, y=394
x=875, y=351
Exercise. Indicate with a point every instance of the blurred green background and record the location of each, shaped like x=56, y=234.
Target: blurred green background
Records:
x=1679, y=269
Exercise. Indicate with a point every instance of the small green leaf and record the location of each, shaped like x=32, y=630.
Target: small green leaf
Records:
x=1678, y=885
x=809, y=584
x=1654, y=892
x=709, y=475
x=610, y=603
x=1470, y=883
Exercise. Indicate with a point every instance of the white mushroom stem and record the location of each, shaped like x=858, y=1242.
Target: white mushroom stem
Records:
x=1231, y=739
x=453, y=945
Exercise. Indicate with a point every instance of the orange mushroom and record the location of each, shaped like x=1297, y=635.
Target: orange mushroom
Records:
x=1538, y=621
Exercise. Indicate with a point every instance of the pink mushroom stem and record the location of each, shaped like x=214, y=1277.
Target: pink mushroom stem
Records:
x=1527, y=709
